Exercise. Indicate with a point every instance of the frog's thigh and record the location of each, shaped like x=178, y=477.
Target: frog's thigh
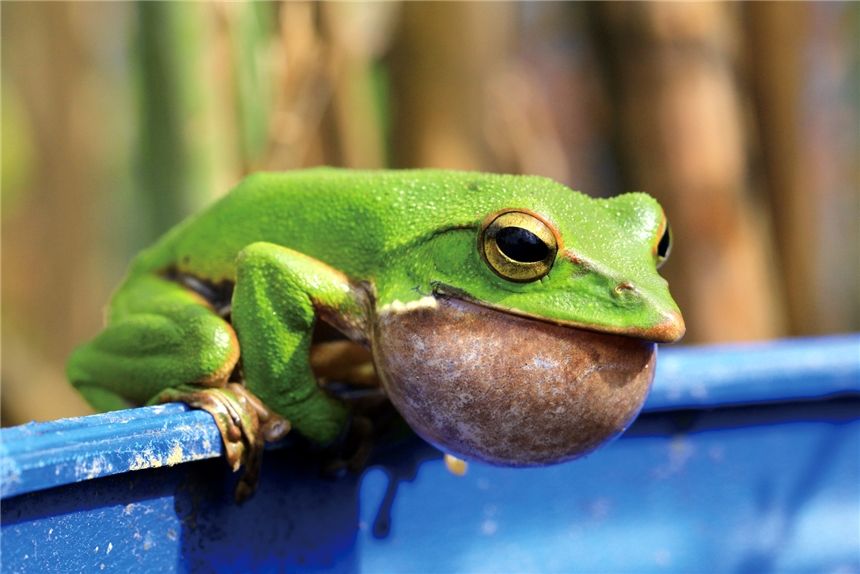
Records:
x=278, y=296
x=160, y=336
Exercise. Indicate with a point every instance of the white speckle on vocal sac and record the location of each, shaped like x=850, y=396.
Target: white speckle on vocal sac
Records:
x=541, y=363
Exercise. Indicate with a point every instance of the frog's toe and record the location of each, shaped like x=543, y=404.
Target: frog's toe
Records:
x=276, y=429
x=273, y=427
x=244, y=422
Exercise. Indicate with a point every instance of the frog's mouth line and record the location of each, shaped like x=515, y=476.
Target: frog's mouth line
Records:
x=668, y=331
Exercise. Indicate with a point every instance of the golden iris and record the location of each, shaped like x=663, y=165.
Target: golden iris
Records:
x=518, y=246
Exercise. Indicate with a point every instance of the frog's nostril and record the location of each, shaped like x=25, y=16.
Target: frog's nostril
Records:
x=624, y=289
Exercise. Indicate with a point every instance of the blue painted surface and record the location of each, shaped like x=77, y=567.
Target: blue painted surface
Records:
x=753, y=498
x=760, y=372
x=762, y=479
x=42, y=455
x=38, y=456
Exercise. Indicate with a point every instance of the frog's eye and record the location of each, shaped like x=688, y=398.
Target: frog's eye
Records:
x=663, y=247
x=518, y=246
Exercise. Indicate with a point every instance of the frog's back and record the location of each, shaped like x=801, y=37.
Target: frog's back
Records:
x=305, y=210
x=343, y=217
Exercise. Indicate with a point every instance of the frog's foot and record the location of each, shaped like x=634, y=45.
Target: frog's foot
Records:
x=354, y=452
x=244, y=422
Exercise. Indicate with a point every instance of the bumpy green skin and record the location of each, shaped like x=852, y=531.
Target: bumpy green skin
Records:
x=346, y=244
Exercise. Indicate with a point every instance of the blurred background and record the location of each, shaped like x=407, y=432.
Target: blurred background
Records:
x=119, y=119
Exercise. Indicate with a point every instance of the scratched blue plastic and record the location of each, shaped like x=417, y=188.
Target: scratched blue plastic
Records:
x=42, y=455
x=753, y=473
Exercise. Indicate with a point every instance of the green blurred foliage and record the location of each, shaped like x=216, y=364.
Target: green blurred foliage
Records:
x=18, y=158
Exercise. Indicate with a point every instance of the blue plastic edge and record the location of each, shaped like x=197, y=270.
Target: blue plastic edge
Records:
x=37, y=456
x=786, y=370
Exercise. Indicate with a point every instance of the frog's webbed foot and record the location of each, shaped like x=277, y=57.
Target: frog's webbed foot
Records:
x=245, y=423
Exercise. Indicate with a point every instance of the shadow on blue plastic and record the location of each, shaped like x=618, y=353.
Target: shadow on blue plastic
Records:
x=770, y=484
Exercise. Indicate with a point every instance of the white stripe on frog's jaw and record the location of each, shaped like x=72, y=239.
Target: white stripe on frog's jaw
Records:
x=398, y=306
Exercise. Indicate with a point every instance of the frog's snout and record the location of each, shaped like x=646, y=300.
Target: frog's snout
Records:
x=671, y=329
x=669, y=325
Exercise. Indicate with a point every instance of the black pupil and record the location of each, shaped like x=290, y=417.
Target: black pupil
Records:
x=521, y=245
x=665, y=243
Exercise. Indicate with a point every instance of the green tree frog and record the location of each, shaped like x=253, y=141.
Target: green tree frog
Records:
x=510, y=319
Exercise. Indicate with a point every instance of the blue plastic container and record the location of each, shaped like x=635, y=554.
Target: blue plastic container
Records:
x=746, y=459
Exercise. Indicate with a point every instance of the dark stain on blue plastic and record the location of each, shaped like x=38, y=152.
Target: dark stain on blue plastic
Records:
x=401, y=464
x=302, y=521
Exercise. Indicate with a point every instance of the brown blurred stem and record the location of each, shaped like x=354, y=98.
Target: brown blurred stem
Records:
x=442, y=55
x=800, y=62
x=680, y=133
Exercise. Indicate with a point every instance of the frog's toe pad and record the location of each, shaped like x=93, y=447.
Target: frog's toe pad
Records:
x=276, y=429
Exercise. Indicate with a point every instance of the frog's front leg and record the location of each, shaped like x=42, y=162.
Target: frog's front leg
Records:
x=165, y=343
x=279, y=295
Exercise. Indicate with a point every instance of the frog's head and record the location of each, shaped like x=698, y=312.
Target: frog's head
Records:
x=539, y=250
x=597, y=272
x=524, y=330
